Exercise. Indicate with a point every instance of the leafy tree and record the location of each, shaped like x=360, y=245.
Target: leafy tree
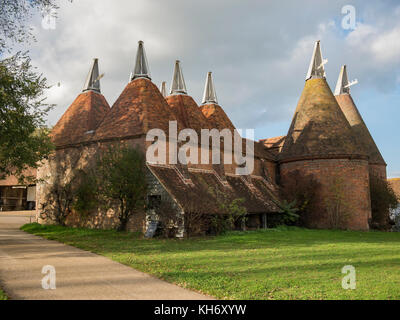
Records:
x=122, y=178
x=14, y=18
x=383, y=199
x=24, y=139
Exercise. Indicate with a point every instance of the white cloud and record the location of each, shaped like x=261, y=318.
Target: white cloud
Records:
x=258, y=51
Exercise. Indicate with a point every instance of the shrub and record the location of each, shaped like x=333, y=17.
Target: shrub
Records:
x=231, y=214
x=300, y=191
x=121, y=178
x=383, y=199
x=86, y=198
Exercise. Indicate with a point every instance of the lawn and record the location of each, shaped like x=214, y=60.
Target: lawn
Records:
x=283, y=263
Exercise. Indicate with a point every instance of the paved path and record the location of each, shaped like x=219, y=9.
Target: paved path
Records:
x=79, y=274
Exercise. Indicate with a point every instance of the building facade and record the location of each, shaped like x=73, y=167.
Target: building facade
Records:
x=327, y=139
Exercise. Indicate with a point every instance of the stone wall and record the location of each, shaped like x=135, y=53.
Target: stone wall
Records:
x=344, y=179
x=60, y=168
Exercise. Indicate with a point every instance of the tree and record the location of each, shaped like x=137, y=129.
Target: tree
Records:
x=383, y=199
x=23, y=138
x=121, y=178
x=14, y=18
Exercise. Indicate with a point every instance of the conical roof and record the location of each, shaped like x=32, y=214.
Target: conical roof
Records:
x=319, y=128
x=359, y=128
x=80, y=120
x=188, y=112
x=217, y=117
x=139, y=108
x=82, y=117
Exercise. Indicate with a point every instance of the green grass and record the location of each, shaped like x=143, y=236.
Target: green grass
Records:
x=284, y=263
x=3, y=295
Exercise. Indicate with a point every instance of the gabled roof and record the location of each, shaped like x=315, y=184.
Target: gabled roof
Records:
x=80, y=120
x=359, y=128
x=207, y=189
x=187, y=112
x=319, y=128
x=139, y=108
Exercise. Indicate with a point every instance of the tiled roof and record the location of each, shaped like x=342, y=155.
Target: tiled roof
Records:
x=187, y=112
x=395, y=184
x=82, y=117
x=217, y=117
x=274, y=145
x=139, y=108
x=319, y=128
x=359, y=128
x=205, y=190
x=13, y=181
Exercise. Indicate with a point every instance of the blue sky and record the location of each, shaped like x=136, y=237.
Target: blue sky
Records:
x=259, y=53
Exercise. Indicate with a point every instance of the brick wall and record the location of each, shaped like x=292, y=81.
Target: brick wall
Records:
x=344, y=179
x=378, y=170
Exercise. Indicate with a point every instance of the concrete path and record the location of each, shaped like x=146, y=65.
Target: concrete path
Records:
x=79, y=274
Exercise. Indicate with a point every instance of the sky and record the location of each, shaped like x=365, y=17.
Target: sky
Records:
x=258, y=51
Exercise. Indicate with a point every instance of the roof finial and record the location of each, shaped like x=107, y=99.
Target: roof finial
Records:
x=209, y=96
x=141, y=66
x=316, y=69
x=178, y=85
x=163, y=89
x=93, y=78
x=343, y=85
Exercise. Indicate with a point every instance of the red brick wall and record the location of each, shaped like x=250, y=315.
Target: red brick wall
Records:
x=378, y=170
x=350, y=178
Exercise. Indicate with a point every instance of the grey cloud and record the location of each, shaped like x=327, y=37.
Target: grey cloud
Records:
x=258, y=51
